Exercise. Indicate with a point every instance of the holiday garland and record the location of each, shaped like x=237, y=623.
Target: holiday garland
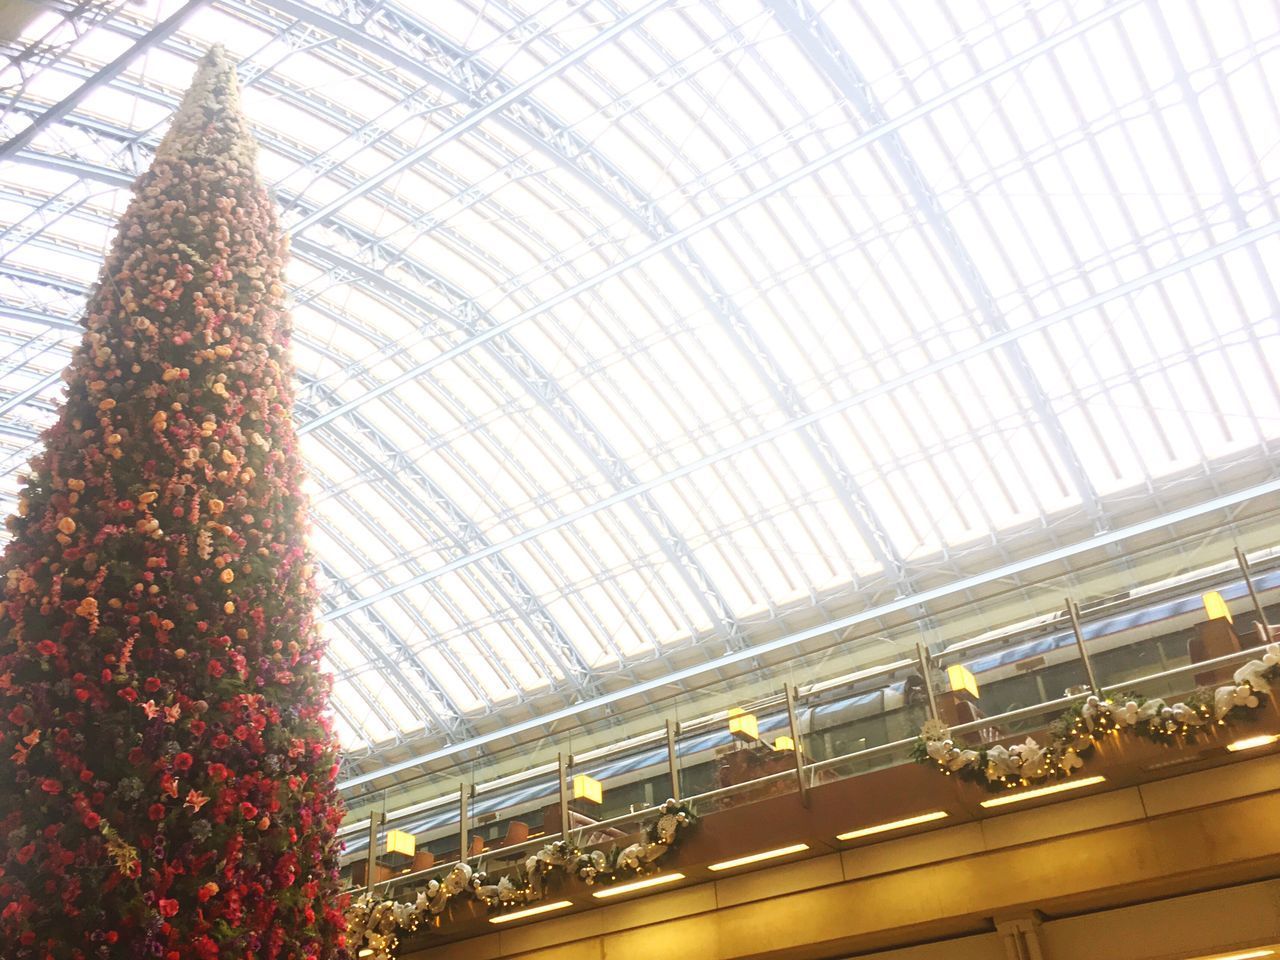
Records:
x=376, y=925
x=167, y=772
x=1085, y=725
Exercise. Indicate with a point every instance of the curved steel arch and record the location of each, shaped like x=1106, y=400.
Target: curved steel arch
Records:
x=804, y=24
x=466, y=537
x=536, y=618
x=454, y=726
x=575, y=154
x=523, y=366
x=533, y=612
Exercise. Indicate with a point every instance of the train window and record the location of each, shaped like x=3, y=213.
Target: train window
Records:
x=1127, y=663
x=1056, y=680
x=1001, y=696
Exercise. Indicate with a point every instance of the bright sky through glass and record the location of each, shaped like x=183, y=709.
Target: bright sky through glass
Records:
x=720, y=221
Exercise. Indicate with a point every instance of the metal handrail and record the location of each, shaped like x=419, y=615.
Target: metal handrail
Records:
x=868, y=753
x=780, y=775
x=778, y=699
x=1034, y=710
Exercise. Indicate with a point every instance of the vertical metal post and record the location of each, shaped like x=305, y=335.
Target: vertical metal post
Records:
x=1073, y=611
x=562, y=764
x=464, y=794
x=796, y=750
x=1253, y=594
x=673, y=763
x=925, y=662
x=376, y=819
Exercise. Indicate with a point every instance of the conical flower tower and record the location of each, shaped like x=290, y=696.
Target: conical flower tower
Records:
x=166, y=767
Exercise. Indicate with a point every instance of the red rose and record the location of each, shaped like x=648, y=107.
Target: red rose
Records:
x=218, y=772
x=215, y=668
x=248, y=810
x=129, y=694
x=47, y=647
x=86, y=776
x=183, y=761
x=91, y=820
x=51, y=786
x=167, y=907
x=221, y=741
x=197, y=727
x=152, y=684
x=18, y=715
x=26, y=853
x=156, y=811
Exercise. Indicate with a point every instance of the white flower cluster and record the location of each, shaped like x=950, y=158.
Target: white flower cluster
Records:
x=374, y=924
x=1031, y=761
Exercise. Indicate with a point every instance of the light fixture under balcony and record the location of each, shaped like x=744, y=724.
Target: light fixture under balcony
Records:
x=892, y=825
x=1242, y=955
x=588, y=788
x=1253, y=743
x=743, y=725
x=1215, y=608
x=621, y=888
x=757, y=857
x=1062, y=787
x=531, y=911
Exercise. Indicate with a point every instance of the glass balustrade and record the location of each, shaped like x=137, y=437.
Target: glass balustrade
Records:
x=854, y=706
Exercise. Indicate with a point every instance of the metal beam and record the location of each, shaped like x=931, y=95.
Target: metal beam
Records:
x=750, y=199
x=478, y=116
x=161, y=31
x=1266, y=491
x=1124, y=289
x=805, y=27
x=464, y=534
x=468, y=79
x=523, y=367
x=461, y=530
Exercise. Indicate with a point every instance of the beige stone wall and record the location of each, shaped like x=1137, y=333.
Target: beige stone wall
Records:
x=1175, y=869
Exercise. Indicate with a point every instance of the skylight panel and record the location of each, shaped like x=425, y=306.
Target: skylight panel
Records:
x=479, y=666
x=50, y=86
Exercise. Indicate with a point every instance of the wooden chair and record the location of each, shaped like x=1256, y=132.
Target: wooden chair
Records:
x=517, y=832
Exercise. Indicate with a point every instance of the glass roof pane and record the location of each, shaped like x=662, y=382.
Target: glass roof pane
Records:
x=702, y=323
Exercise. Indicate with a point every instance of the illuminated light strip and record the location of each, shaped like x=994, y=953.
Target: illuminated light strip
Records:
x=622, y=888
x=1252, y=743
x=531, y=911
x=757, y=857
x=1043, y=791
x=1246, y=955
x=894, y=825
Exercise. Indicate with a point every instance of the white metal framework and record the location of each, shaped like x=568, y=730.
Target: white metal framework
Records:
x=623, y=327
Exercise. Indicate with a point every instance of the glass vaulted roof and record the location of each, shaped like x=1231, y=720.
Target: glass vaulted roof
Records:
x=624, y=328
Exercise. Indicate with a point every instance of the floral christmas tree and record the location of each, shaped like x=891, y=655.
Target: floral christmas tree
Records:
x=166, y=767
